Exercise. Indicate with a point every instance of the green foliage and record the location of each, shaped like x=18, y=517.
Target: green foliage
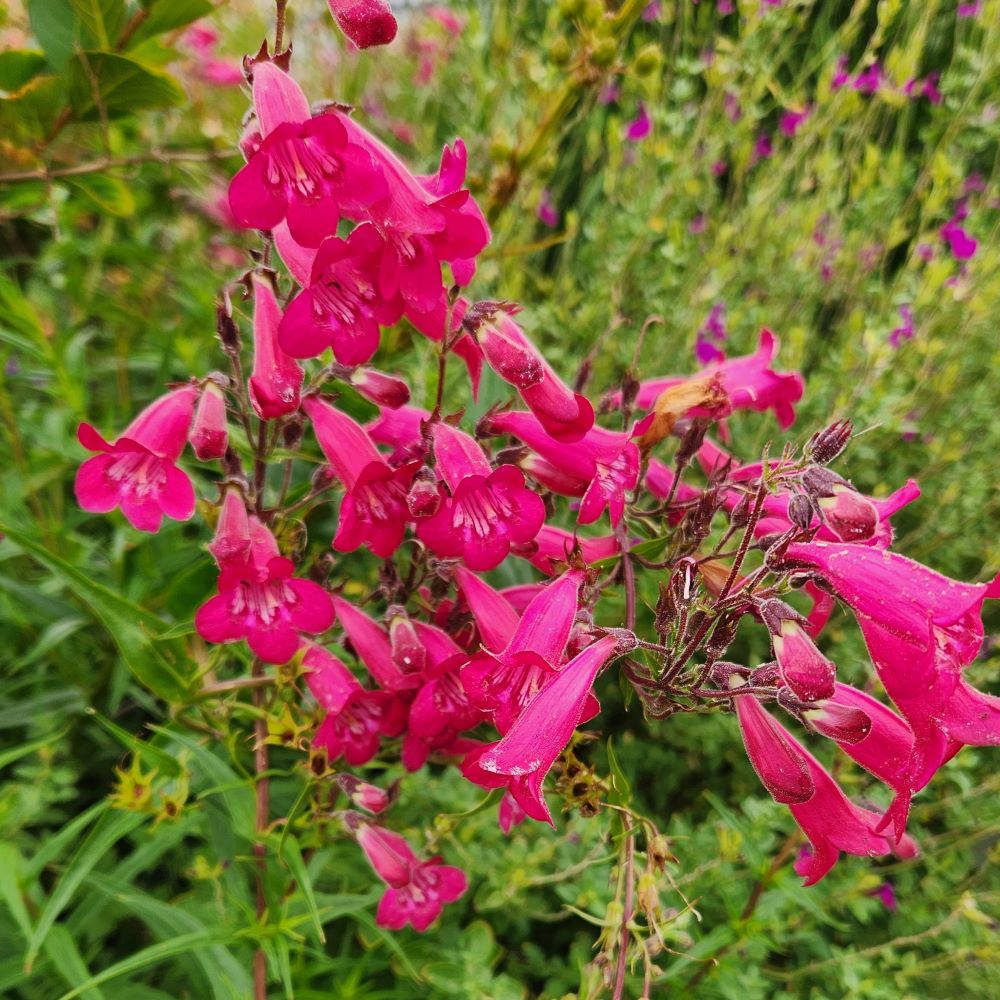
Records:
x=127, y=800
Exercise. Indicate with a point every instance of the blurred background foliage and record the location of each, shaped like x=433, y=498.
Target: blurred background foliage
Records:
x=116, y=142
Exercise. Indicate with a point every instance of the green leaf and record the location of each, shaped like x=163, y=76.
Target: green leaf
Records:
x=68, y=962
x=18, y=66
x=292, y=856
x=108, y=194
x=16, y=753
x=131, y=626
x=155, y=954
x=166, y=763
x=166, y=15
x=102, y=20
x=622, y=786
x=117, y=85
x=56, y=27
x=53, y=847
x=107, y=832
x=11, y=864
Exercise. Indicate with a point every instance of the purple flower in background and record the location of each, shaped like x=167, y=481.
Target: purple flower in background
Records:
x=886, y=894
x=652, y=11
x=725, y=7
x=915, y=88
x=963, y=245
x=791, y=120
x=732, y=105
x=905, y=330
x=970, y=9
x=868, y=81
x=974, y=183
x=841, y=76
x=712, y=332
x=697, y=225
x=609, y=94
x=869, y=256
x=762, y=148
x=925, y=252
x=640, y=126
x=719, y=167
x=546, y=211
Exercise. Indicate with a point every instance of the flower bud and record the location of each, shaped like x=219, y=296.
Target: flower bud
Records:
x=824, y=446
x=424, y=497
x=408, y=651
x=371, y=798
x=379, y=388
x=842, y=723
x=232, y=533
x=727, y=675
x=323, y=478
x=800, y=511
x=226, y=328
x=809, y=674
x=209, y=436
x=849, y=515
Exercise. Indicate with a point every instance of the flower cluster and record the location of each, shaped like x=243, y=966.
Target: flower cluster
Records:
x=435, y=663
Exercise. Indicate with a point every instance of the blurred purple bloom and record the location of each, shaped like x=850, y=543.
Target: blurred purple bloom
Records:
x=762, y=148
x=925, y=252
x=924, y=88
x=791, y=120
x=719, y=167
x=732, y=105
x=970, y=9
x=652, y=11
x=725, y=7
x=640, y=126
x=697, y=225
x=546, y=211
x=905, y=330
x=841, y=76
x=712, y=332
x=963, y=245
x=886, y=894
x=973, y=184
x=868, y=81
x=609, y=94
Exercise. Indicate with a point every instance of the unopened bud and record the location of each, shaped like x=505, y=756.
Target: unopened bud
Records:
x=368, y=797
x=824, y=446
x=424, y=496
x=842, y=723
x=723, y=674
x=323, y=478
x=226, y=328
x=849, y=515
x=209, y=435
x=291, y=432
x=800, y=511
x=408, y=651
x=379, y=388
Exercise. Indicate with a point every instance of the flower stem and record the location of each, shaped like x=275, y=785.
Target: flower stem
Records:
x=263, y=796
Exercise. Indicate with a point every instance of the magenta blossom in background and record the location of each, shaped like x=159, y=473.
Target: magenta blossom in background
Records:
x=792, y=120
x=711, y=333
x=763, y=148
x=417, y=890
x=639, y=127
x=365, y=22
x=546, y=211
x=886, y=895
x=841, y=74
x=905, y=330
x=261, y=602
x=970, y=9
x=869, y=79
x=962, y=245
x=138, y=472
x=652, y=11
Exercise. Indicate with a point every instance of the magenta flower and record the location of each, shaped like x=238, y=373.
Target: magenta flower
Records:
x=379, y=388
x=547, y=213
x=305, y=170
x=373, y=511
x=921, y=630
x=505, y=683
x=962, y=245
x=365, y=22
x=970, y=9
x=869, y=80
x=885, y=893
x=791, y=120
x=553, y=546
x=841, y=74
x=138, y=472
x=342, y=306
x=261, y=602
x=487, y=511
x=496, y=619
x=374, y=649
x=905, y=330
x=749, y=381
x=510, y=814
x=601, y=467
x=540, y=733
x=639, y=127
x=276, y=380
x=356, y=719
x=417, y=890
x=806, y=671
x=564, y=414
x=209, y=435
x=711, y=333
x=792, y=776
x=231, y=544
x=371, y=798
x=763, y=148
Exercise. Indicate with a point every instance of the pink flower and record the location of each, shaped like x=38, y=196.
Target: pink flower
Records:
x=417, y=890
x=356, y=719
x=827, y=817
x=209, y=435
x=342, y=306
x=510, y=814
x=809, y=674
x=276, y=380
x=305, y=170
x=373, y=511
x=749, y=382
x=546, y=211
x=651, y=12
x=641, y=126
x=922, y=629
x=374, y=648
x=841, y=75
x=553, y=546
x=564, y=414
x=905, y=330
x=962, y=245
x=792, y=120
x=504, y=683
x=869, y=80
x=371, y=798
x=601, y=467
x=763, y=148
x=365, y=22
x=712, y=333
x=379, y=388
x=487, y=510
x=138, y=472
x=970, y=9
x=885, y=893
x=259, y=601
x=522, y=758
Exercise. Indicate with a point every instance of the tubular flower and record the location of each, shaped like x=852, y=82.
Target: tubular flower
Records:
x=504, y=683
x=356, y=718
x=231, y=544
x=276, y=381
x=749, y=382
x=373, y=647
x=554, y=547
x=305, y=171
x=365, y=22
x=496, y=619
x=565, y=415
x=522, y=758
x=374, y=510
x=209, y=435
x=138, y=472
x=487, y=510
x=806, y=671
x=921, y=629
x=603, y=462
x=259, y=601
x=341, y=307
x=827, y=817
x=417, y=890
